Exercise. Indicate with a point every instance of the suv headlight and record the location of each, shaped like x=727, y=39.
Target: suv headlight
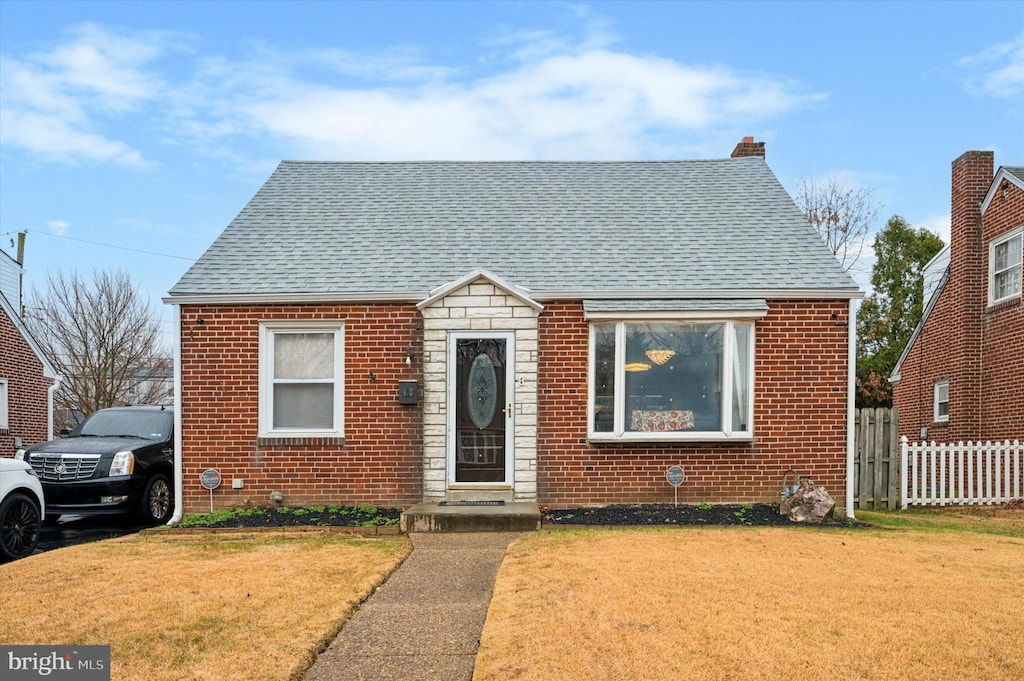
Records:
x=123, y=464
x=20, y=454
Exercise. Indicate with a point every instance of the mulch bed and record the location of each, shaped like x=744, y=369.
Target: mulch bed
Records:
x=346, y=516
x=761, y=515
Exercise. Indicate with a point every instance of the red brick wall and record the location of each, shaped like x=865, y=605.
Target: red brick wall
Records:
x=380, y=459
x=1002, y=373
x=978, y=349
x=26, y=389
x=932, y=358
x=799, y=418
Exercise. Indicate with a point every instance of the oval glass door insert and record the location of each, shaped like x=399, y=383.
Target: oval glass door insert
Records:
x=483, y=391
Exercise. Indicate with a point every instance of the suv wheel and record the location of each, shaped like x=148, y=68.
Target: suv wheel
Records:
x=19, y=526
x=156, y=503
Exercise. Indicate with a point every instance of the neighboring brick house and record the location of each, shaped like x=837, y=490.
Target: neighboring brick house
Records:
x=557, y=332
x=27, y=379
x=961, y=376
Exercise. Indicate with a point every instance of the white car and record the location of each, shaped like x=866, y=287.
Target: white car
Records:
x=21, y=509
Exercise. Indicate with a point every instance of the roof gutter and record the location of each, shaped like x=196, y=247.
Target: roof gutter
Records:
x=545, y=295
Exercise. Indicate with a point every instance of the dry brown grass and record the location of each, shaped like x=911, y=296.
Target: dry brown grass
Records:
x=748, y=603
x=236, y=606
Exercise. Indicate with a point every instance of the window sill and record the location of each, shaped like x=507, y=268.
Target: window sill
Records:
x=668, y=438
x=289, y=440
x=1003, y=304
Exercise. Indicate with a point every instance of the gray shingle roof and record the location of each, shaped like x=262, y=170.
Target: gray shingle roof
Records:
x=629, y=227
x=1016, y=171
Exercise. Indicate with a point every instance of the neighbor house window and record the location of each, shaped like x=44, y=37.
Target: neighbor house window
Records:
x=1005, y=266
x=672, y=380
x=941, y=401
x=301, y=379
x=4, y=418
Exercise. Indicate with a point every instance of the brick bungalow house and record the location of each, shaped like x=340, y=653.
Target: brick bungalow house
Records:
x=961, y=376
x=552, y=332
x=27, y=379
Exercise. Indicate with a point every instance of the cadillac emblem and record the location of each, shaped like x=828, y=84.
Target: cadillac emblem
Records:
x=60, y=468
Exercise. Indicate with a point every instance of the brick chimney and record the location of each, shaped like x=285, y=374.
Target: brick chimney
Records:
x=971, y=178
x=748, y=147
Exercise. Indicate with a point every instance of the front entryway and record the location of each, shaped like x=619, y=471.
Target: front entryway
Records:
x=481, y=401
x=479, y=398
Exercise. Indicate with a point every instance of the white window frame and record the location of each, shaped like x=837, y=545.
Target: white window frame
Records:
x=619, y=432
x=1017, y=234
x=5, y=420
x=940, y=387
x=268, y=331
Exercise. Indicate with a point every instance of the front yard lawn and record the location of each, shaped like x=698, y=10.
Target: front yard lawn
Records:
x=943, y=602
x=173, y=607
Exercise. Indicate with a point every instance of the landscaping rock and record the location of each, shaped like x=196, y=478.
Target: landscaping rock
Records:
x=809, y=504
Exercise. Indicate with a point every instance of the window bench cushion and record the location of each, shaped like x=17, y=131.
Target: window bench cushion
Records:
x=653, y=420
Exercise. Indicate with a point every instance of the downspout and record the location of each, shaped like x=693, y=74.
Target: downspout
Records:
x=851, y=390
x=179, y=485
x=49, y=406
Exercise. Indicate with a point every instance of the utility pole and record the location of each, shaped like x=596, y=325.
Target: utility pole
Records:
x=21, y=271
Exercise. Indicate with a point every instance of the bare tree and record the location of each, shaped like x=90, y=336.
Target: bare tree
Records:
x=103, y=339
x=840, y=214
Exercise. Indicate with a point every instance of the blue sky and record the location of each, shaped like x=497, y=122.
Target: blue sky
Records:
x=148, y=125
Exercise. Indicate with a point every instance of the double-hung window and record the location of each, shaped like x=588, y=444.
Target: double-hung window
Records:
x=1005, y=256
x=302, y=379
x=669, y=379
x=941, y=403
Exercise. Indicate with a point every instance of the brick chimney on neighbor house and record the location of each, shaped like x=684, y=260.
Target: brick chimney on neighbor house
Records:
x=748, y=147
x=971, y=178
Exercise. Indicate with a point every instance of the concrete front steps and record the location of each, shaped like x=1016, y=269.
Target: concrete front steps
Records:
x=429, y=516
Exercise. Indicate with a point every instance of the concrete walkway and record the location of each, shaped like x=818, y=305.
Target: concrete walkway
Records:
x=424, y=622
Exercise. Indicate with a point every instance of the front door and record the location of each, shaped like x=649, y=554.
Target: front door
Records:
x=480, y=408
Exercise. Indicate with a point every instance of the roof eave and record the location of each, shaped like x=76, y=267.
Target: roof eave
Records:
x=896, y=376
x=541, y=295
x=49, y=371
x=1002, y=174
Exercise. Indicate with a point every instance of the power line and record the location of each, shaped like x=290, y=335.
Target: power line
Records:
x=123, y=248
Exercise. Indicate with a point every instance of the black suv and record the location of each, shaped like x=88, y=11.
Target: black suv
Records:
x=118, y=460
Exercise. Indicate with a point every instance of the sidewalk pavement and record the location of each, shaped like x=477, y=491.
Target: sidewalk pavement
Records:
x=424, y=622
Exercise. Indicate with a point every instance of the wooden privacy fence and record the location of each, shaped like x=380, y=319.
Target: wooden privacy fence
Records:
x=876, y=466
x=961, y=473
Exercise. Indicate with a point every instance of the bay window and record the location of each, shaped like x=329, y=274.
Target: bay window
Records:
x=301, y=379
x=671, y=379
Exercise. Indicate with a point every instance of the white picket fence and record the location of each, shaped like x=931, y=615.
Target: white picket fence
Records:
x=937, y=473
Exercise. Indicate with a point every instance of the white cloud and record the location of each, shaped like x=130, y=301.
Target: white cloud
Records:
x=997, y=70
x=546, y=95
x=594, y=104
x=57, y=103
x=54, y=137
